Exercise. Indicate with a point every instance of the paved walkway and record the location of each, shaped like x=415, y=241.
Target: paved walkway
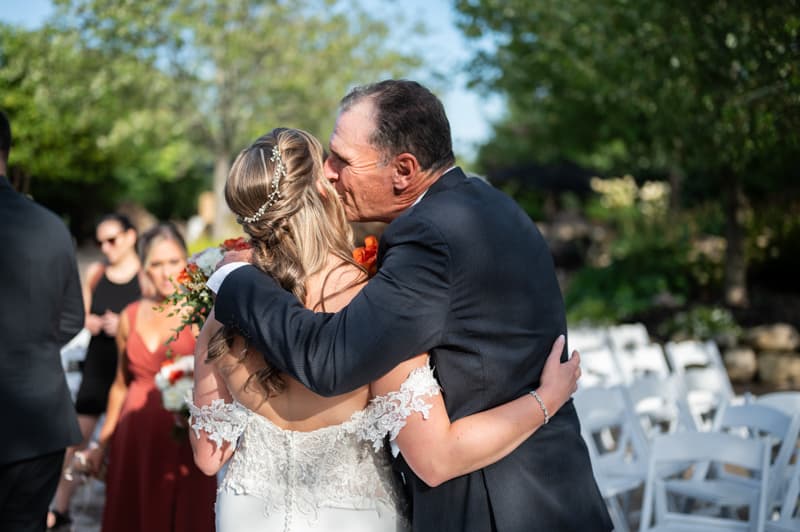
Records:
x=87, y=507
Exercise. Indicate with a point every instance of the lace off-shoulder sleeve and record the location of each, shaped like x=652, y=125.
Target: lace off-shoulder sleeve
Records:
x=386, y=414
x=220, y=420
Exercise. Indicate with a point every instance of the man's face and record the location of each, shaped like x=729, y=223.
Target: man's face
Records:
x=358, y=171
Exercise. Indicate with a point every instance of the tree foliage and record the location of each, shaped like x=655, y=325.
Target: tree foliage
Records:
x=242, y=67
x=707, y=93
x=153, y=99
x=87, y=130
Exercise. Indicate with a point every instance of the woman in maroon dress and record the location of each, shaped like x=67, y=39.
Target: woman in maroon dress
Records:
x=152, y=483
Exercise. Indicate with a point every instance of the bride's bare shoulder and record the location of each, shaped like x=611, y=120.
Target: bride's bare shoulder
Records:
x=337, y=284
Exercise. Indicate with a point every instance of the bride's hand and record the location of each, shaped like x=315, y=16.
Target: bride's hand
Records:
x=559, y=379
x=240, y=255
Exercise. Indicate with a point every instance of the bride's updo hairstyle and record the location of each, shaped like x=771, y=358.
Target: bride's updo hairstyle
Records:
x=279, y=194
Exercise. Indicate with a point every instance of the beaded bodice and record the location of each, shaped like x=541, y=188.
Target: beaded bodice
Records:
x=344, y=466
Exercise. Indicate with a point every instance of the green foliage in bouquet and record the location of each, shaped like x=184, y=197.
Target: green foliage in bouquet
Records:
x=193, y=299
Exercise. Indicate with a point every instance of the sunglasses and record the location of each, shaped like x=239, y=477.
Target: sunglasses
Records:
x=112, y=240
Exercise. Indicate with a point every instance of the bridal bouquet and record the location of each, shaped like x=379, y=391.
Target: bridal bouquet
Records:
x=192, y=298
x=174, y=379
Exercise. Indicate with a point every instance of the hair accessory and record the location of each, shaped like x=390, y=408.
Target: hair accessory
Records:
x=275, y=194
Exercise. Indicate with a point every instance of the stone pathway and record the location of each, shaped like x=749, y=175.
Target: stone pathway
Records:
x=86, y=507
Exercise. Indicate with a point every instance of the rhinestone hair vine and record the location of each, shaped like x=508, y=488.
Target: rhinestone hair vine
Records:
x=274, y=195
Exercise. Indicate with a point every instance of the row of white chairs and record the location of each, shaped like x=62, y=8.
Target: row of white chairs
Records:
x=691, y=476
x=624, y=354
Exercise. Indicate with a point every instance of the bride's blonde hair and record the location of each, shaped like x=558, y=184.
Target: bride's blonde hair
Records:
x=277, y=190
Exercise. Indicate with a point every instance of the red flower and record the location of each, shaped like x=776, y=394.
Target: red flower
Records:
x=367, y=255
x=236, y=244
x=175, y=375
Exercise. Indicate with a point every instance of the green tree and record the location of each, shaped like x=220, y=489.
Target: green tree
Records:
x=241, y=67
x=86, y=127
x=706, y=93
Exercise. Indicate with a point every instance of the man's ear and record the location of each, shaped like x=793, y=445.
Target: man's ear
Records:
x=405, y=167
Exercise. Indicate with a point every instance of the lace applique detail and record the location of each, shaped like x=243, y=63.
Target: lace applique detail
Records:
x=300, y=472
x=386, y=414
x=223, y=422
x=339, y=466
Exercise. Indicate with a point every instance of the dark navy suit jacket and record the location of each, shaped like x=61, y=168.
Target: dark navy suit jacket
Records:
x=466, y=276
x=41, y=308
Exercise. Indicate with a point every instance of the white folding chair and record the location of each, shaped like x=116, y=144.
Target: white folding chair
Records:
x=664, y=507
x=642, y=361
x=598, y=364
x=788, y=519
x=660, y=403
x=776, y=429
x=599, y=367
x=627, y=336
x=586, y=338
x=705, y=378
x=789, y=402
x=616, y=444
x=636, y=354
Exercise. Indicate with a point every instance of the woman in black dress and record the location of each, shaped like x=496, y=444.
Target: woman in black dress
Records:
x=109, y=287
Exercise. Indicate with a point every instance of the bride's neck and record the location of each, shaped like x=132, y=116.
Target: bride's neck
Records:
x=334, y=277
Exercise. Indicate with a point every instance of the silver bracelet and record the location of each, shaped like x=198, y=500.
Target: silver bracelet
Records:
x=541, y=405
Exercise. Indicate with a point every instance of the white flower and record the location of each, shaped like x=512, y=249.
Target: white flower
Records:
x=173, y=390
x=173, y=396
x=207, y=260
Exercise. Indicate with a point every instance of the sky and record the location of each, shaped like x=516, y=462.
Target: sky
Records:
x=443, y=47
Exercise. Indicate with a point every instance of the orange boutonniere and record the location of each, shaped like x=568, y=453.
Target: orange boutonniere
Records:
x=367, y=255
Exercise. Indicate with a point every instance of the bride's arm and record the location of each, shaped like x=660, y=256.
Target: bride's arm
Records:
x=211, y=450
x=438, y=450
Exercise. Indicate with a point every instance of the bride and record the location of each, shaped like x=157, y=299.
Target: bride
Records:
x=300, y=461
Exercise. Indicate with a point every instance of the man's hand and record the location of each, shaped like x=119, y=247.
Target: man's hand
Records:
x=242, y=255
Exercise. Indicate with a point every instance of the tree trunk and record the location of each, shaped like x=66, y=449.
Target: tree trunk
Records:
x=220, y=229
x=675, y=182
x=735, y=262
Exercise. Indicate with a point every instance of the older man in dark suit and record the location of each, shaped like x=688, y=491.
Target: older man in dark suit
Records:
x=41, y=308
x=464, y=275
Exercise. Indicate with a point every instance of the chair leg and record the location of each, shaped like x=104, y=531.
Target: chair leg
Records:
x=617, y=515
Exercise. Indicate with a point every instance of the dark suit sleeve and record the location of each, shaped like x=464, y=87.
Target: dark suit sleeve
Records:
x=72, y=312
x=399, y=314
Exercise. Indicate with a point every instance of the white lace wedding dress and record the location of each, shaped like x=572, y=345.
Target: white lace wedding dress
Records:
x=336, y=478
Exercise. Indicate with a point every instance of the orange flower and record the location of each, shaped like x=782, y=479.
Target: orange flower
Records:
x=236, y=244
x=186, y=274
x=367, y=255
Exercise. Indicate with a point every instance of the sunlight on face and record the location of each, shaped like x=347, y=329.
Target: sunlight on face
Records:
x=359, y=172
x=164, y=262
x=114, y=241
